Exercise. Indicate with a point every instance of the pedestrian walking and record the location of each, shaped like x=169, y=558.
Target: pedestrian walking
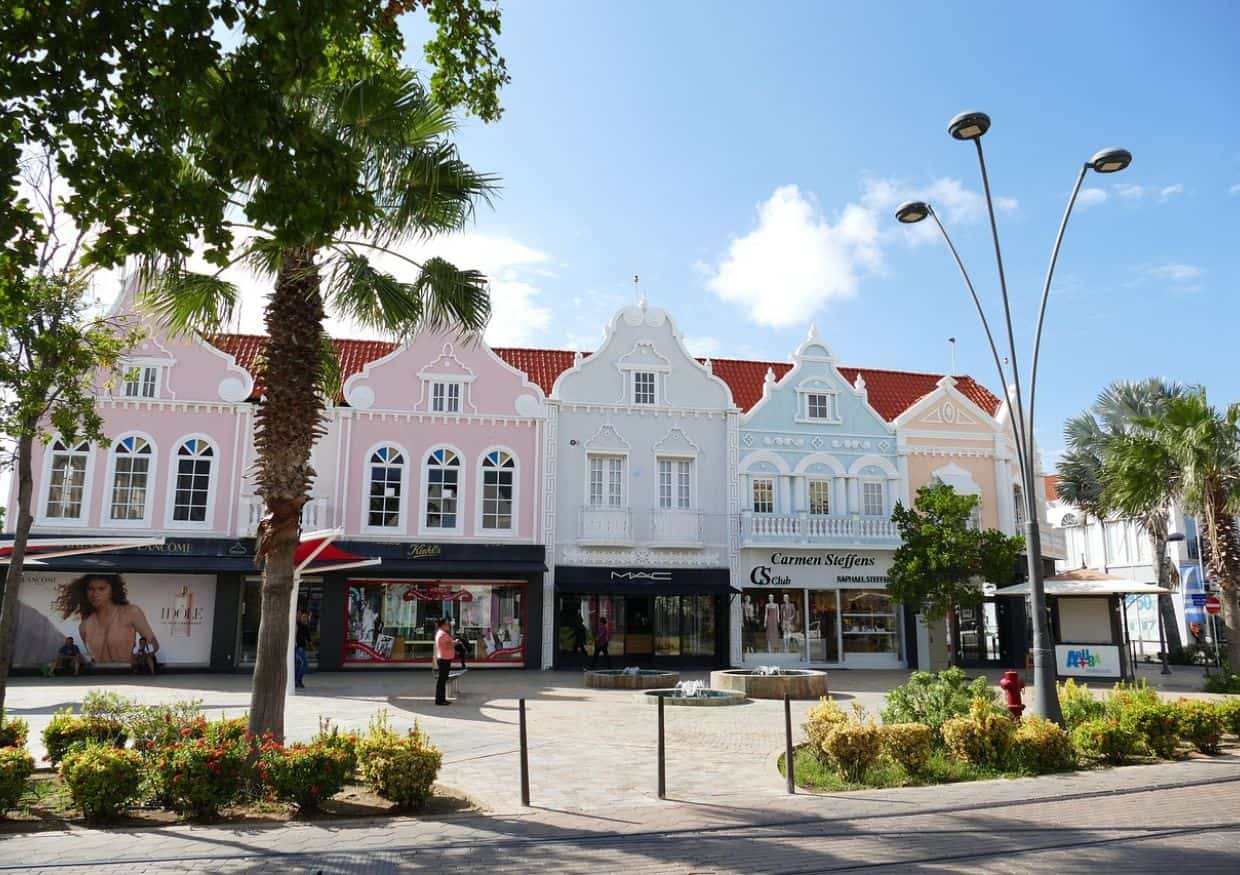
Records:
x=301, y=644
x=602, y=637
x=445, y=650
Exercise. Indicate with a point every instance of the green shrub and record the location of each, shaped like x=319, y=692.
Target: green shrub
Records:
x=198, y=778
x=819, y=722
x=1229, y=710
x=1222, y=682
x=1201, y=723
x=933, y=699
x=67, y=732
x=16, y=767
x=1078, y=704
x=1130, y=695
x=13, y=731
x=101, y=779
x=330, y=736
x=227, y=731
x=852, y=747
x=908, y=744
x=983, y=738
x=1040, y=746
x=305, y=774
x=1155, y=724
x=400, y=768
x=108, y=705
x=155, y=726
x=1104, y=738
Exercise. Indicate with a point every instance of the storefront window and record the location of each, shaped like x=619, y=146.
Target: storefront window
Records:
x=824, y=626
x=309, y=599
x=642, y=627
x=394, y=620
x=869, y=619
x=774, y=625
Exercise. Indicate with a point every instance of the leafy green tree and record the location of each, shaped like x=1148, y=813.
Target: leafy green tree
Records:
x=943, y=559
x=1189, y=450
x=410, y=183
x=1087, y=435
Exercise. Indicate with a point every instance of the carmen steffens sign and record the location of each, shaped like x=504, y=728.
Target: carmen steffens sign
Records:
x=820, y=569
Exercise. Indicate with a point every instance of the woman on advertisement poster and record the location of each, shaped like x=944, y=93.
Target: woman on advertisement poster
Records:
x=109, y=623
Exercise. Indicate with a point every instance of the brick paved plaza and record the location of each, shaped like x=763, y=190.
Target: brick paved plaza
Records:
x=595, y=807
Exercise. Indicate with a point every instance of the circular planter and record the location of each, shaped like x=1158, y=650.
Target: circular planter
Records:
x=704, y=699
x=797, y=683
x=616, y=679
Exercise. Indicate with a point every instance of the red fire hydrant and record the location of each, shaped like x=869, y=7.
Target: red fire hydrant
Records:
x=1011, y=686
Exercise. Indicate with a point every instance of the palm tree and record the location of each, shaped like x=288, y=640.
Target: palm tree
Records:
x=1192, y=451
x=1116, y=413
x=410, y=183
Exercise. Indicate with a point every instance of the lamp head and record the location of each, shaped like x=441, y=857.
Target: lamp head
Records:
x=1111, y=160
x=969, y=125
x=912, y=212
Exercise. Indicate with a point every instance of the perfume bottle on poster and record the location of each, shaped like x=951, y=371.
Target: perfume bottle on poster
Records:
x=182, y=613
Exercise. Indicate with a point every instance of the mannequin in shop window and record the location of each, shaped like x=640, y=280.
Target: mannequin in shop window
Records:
x=771, y=620
x=788, y=618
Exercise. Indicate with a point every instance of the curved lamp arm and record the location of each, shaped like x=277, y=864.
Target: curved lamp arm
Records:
x=1046, y=289
x=981, y=314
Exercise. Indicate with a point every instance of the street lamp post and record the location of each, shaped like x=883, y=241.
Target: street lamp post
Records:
x=972, y=126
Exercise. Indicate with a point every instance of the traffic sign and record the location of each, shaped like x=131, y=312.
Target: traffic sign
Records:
x=1199, y=599
x=1213, y=605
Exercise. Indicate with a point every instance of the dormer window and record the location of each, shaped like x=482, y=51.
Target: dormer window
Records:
x=643, y=387
x=820, y=406
x=445, y=397
x=141, y=381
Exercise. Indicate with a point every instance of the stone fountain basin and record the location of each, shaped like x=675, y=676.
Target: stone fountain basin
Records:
x=616, y=679
x=797, y=683
x=708, y=698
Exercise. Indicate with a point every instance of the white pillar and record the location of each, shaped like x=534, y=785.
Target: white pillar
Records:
x=854, y=497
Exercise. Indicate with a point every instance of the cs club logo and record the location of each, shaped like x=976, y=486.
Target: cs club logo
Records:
x=1081, y=659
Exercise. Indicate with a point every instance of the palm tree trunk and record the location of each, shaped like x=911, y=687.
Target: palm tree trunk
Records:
x=13, y=579
x=288, y=422
x=1224, y=563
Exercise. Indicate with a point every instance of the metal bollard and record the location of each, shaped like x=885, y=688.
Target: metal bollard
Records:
x=525, y=757
x=662, y=768
x=788, y=758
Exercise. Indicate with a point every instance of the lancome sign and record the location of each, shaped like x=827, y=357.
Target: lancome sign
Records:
x=816, y=569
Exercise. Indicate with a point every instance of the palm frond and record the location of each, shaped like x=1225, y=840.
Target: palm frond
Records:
x=187, y=302
x=429, y=190
x=454, y=298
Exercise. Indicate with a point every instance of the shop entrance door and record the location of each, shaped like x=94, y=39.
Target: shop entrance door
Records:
x=981, y=641
x=639, y=628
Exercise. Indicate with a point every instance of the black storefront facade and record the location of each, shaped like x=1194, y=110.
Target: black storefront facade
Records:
x=202, y=597
x=657, y=617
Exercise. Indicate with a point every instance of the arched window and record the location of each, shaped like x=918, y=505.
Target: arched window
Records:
x=66, y=481
x=387, y=477
x=499, y=471
x=192, y=495
x=131, y=473
x=443, y=481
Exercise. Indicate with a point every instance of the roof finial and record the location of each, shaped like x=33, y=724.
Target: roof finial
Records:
x=813, y=333
x=641, y=296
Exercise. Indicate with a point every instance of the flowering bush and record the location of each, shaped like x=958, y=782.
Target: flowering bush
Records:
x=984, y=738
x=1201, y=723
x=1131, y=695
x=933, y=699
x=1155, y=724
x=908, y=744
x=401, y=768
x=305, y=774
x=198, y=778
x=331, y=736
x=1229, y=710
x=12, y=731
x=67, y=732
x=101, y=779
x=1078, y=704
x=852, y=747
x=821, y=719
x=155, y=726
x=1041, y=746
x=1104, y=738
x=16, y=767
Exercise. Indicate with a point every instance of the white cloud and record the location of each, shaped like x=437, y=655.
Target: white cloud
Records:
x=703, y=346
x=1235, y=189
x=1160, y=194
x=1175, y=273
x=1129, y=192
x=796, y=260
x=1168, y=191
x=1090, y=197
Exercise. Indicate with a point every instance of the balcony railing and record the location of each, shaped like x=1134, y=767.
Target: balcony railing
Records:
x=313, y=514
x=804, y=528
x=676, y=528
x=605, y=527
x=661, y=528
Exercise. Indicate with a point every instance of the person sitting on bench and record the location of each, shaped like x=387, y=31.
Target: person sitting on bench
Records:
x=68, y=656
x=142, y=660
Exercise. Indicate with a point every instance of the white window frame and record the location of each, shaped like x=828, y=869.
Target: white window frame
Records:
x=442, y=402
x=480, y=493
x=826, y=483
x=828, y=403
x=814, y=389
x=882, y=492
x=41, y=516
x=753, y=494
x=402, y=524
x=174, y=463
x=675, y=492
x=462, y=485
x=144, y=369
x=654, y=388
x=152, y=470
x=606, y=504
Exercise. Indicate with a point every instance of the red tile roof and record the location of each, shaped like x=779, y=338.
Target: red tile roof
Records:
x=890, y=392
x=1049, y=484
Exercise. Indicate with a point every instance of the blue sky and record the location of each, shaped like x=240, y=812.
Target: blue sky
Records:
x=743, y=160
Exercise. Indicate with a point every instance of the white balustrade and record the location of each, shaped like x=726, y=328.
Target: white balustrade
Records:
x=606, y=525
x=313, y=514
x=681, y=528
x=805, y=528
